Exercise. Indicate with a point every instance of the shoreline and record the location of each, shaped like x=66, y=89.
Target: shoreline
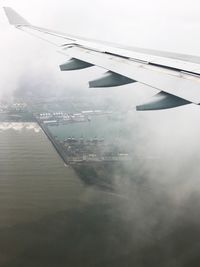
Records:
x=56, y=145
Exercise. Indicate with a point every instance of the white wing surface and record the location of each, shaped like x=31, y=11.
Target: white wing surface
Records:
x=175, y=76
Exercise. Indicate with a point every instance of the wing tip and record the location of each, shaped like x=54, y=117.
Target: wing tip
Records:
x=14, y=18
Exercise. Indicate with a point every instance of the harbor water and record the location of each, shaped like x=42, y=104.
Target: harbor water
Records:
x=50, y=217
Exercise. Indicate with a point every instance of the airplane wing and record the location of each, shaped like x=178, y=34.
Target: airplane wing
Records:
x=175, y=76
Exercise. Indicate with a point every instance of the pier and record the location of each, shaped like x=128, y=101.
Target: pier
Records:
x=57, y=146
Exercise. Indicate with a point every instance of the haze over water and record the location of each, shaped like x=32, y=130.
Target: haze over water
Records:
x=42, y=202
x=49, y=217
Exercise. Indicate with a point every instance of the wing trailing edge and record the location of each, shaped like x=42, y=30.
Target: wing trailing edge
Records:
x=74, y=64
x=162, y=100
x=110, y=79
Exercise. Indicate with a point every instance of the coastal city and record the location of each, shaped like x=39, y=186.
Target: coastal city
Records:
x=77, y=145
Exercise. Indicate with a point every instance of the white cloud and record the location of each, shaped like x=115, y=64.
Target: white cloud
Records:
x=19, y=127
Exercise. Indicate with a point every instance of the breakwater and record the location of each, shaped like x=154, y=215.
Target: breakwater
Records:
x=59, y=149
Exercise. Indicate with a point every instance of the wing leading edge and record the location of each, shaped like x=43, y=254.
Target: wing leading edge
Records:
x=176, y=77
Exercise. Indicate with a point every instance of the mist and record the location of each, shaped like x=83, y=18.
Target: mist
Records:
x=19, y=127
x=158, y=198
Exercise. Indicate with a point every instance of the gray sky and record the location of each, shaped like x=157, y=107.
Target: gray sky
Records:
x=168, y=25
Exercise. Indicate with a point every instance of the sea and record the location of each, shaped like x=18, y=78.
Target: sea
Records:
x=50, y=218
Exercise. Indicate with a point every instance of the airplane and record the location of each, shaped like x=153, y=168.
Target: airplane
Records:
x=176, y=77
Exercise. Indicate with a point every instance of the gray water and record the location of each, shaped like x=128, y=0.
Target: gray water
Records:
x=49, y=217
x=99, y=126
